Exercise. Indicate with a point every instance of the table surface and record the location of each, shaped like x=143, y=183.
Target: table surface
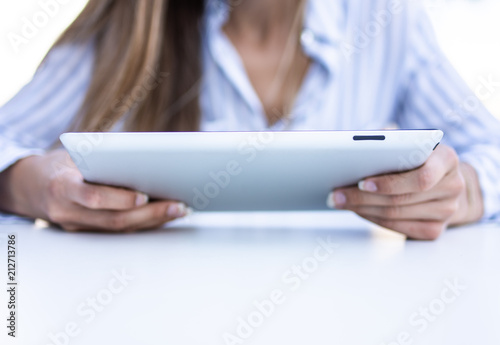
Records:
x=256, y=278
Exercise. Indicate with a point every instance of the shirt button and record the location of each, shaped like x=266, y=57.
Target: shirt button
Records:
x=307, y=37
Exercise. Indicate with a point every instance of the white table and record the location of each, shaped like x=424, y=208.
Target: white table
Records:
x=193, y=281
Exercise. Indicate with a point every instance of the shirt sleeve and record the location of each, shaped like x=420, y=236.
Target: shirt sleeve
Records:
x=433, y=95
x=31, y=122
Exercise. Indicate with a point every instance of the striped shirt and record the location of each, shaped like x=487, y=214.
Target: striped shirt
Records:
x=375, y=63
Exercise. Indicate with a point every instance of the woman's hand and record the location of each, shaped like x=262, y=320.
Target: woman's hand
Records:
x=420, y=203
x=50, y=187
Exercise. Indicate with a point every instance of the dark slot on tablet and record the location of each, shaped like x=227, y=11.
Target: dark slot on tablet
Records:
x=369, y=137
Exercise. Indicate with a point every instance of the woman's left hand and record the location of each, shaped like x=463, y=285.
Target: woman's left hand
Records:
x=420, y=203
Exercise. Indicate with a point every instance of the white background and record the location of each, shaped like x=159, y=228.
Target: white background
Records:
x=467, y=29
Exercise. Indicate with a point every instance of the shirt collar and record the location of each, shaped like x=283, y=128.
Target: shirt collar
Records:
x=327, y=20
x=324, y=31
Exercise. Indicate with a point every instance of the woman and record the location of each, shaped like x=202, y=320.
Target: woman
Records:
x=188, y=65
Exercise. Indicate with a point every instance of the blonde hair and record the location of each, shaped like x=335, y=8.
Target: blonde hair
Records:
x=147, y=64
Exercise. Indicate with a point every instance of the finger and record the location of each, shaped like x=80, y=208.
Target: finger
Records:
x=149, y=216
x=418, y=230
x=451, y=186
x=441, y=210
x=98, y=197
x=439, y=164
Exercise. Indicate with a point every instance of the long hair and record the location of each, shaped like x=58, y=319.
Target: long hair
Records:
x=147, y=64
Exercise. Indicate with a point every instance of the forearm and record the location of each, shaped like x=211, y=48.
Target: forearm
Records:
x=16, y=185
x=6, y=193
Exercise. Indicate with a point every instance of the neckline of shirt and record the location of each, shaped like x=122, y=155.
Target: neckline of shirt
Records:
x=320, y=40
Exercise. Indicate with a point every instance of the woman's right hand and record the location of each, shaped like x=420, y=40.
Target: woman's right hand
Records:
x=50, y=187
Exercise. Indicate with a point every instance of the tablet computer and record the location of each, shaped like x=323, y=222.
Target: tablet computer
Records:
x=246, y=171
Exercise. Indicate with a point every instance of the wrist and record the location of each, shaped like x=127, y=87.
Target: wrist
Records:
x=471, y=201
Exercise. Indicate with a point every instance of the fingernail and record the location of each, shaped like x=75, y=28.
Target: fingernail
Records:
x=339, y=199
x=336, y=200
x=367, y=186
x=330, y=203
x=141, y=199
x=177, y=210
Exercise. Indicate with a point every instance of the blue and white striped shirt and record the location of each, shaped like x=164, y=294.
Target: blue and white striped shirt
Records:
x=375, y=63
